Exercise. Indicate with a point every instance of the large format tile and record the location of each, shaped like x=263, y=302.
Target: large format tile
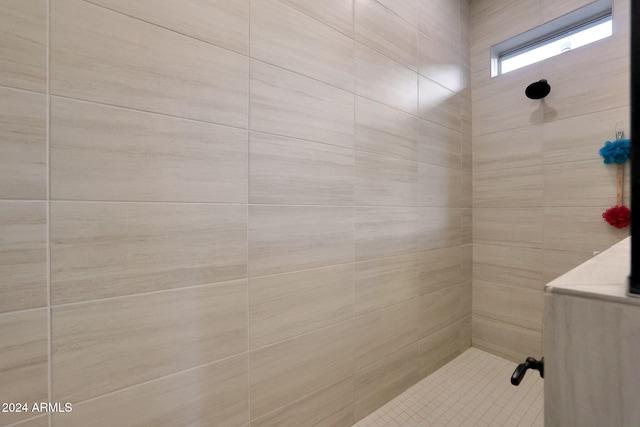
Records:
x=438, y=104
x=440, y=19
x=440, y=268
x=23, y=45
x=381, y=381
x=515, y=148
x=102, y=250
x=439, y=186
x=588, y=183
x=386, y=231
x=383, y=282
x=382, y=332
x=23, y=360
x=23, y=153
x=23, y=255
x=386, y=130
x=291, y=238
x=288, y=38
x=384, y=80
x=221, y=22
x=406, y=9
x=509, y=188
x=327, y=407
x=385, y=181
x=557, y=263
x=442, y=308
x=509, y=226
x=100, y=152
x=292, y=171
x=103, y=346
x=440, y=227
x=286, y=103
x=439, y=348
x=93, y=58
x=509, y=265
x=441, y=62
x=337, y=14
x=579, y=229
x=382, y=30
x=284, y=372
x=41, y=421
x=515, y=305
x=286, y=305
x=440, y=145
x=509, y=341
x=213, y=394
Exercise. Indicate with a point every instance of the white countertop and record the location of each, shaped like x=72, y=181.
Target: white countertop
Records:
x=602, y=277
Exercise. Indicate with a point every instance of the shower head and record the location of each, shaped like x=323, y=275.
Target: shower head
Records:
x=538, y=90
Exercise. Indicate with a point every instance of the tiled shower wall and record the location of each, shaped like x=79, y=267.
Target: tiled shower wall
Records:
x=539, y=184
x=231, y=212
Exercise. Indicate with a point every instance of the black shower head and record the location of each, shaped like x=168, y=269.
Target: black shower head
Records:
x=538, y=90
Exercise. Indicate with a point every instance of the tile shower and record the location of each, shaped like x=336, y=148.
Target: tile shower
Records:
x=260, y=212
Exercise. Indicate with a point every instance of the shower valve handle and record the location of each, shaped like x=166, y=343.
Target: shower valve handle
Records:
x=530, y=363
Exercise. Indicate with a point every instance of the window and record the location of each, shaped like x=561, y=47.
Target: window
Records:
x=571, y=31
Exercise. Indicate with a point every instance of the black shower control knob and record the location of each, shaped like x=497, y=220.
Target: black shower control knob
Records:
x=522, y=368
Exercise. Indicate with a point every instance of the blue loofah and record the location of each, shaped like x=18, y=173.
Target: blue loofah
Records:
x=616, y=151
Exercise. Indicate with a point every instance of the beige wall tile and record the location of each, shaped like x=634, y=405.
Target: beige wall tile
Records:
x=384, y=231
x=103, y=346
x=510, y=188
x=379, y=382
x=386, y=281
x=515, y=305
x=93, y=58
x=107, y=153
x=556, y=263
x=509, y=265
x=23, y=153
x=552, y=10
x=384, y=80
x=440, y=61
x=579, y=229
x=440, y=19
x=580, y=138
x=385, y=130
x=23, y=360
x=466, y=198
x=515, y=148
x=224, y=23
x=509, y=226
x=299, y=366
x=440, y=145
x=102, y=250
x=385, y=181
x=383, y=332
x=440, y=227
x=282, y=35
x=467, y=226
x=290, y=171
x=213, y=394
x=441, y=308
x=23, y=46
x=337, y=14
x=440, y=268
x=437, y=349
x=23, y=255
x=327, y=407
x=286, y=305
x=440, y=186
x=467, y=263
x=439, y=104
x=290, y=238
x=289, y=104
x=589, y=183
x=509, y=341
x=406, y=9
x=382, y=30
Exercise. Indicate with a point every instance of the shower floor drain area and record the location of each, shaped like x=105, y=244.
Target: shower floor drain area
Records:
x=473, y=390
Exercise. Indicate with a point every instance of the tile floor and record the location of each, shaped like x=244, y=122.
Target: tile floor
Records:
x=474, y=389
